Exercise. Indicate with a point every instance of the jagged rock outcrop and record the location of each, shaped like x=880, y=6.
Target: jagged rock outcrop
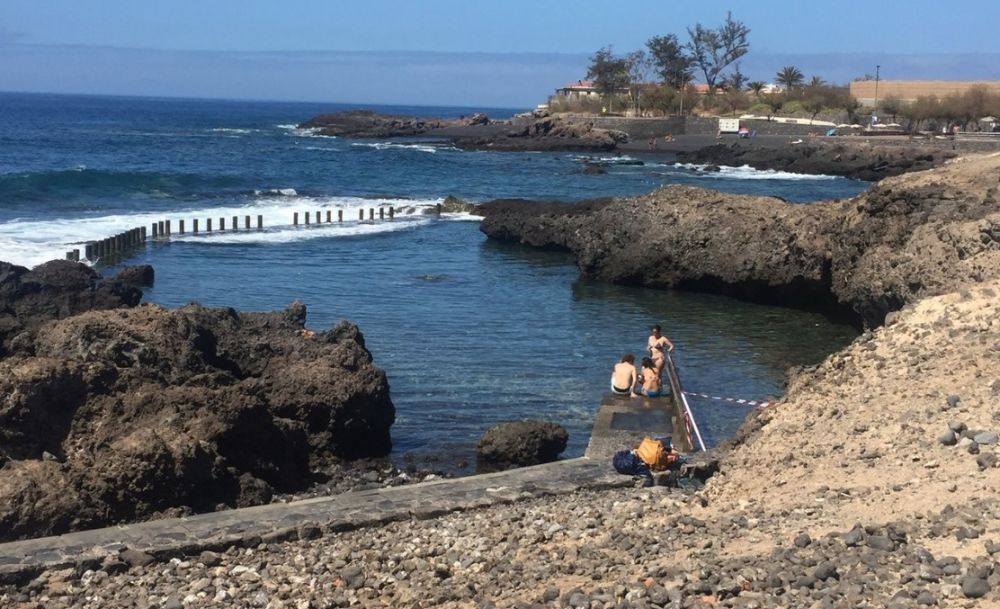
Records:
x=907, y=237
x=519, y=444
x=56, y=290
x=863, y=161
x=117, y=415
x=370, y=124
x=546, y=133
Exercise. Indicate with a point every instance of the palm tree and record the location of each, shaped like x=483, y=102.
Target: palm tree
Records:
x=757, y=87
x=790, y=76
x=816, y=81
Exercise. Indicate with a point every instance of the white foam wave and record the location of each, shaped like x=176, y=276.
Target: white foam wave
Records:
x=232, y=130
x=285, y=192
x=399, y=146
x=747, y=172
x=305, y=132
x=32, y=242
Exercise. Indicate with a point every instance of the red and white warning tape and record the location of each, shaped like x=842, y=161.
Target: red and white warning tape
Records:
x=736, y=401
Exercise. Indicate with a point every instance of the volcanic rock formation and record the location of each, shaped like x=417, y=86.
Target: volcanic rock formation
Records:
x=905, y=238
x=116, y=415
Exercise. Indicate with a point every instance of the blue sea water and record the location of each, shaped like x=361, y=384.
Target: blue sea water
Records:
x=470, y=331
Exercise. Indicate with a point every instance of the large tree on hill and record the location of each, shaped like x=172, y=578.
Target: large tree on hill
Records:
x=789, y=76
x=672, y=64
x=609, y=73
x=712, y=50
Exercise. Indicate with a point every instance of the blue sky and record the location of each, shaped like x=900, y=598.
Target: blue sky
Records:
x=462, y=52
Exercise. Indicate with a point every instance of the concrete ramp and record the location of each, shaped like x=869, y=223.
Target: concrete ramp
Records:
x=623, y=422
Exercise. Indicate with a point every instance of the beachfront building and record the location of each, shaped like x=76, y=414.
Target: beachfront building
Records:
x=909, y=90
x=581, y=89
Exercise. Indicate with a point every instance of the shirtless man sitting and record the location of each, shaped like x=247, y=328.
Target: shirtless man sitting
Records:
x=623, y=377
x=658, y=347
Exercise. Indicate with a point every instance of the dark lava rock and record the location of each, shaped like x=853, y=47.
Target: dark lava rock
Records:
x=593, y=169
x=136, y=558
x=948, y=438
x=826, y=570
x=150, y=410
x=520, y=443
x=453, y=205
x=872, y=163
x=54, y=290
x=803, y=540
x=974, y=587
x=139, y=276
x=548, y=133
x=986, y=460
x=952, y=400
x=850, y=257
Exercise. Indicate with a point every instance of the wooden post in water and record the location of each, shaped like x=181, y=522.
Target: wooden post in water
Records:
x=381, y=213
x=392, y=213
x=180, y=226
x=142, y=233
x=168, y=226
x=236, y=222
x=163, y=228
x=246, y=222
x=208, y=225
x=438, y=207
x=155, y=231
x=222, y=224
x=361, y=214
x=260, y=222
x=329, y=216
x=340, y=215
x=88, y=251
x=307, y=217
x=194, y=226
x=295, y=219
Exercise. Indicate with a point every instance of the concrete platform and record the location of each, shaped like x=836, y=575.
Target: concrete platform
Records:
x=22, y=560
x=623, y=422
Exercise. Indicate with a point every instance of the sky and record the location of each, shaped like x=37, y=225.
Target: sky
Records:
x=455, y=52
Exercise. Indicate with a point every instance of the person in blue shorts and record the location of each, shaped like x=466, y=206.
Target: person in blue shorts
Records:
x=652, y=386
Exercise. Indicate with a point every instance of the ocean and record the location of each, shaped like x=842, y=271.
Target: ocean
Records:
x=470, y=331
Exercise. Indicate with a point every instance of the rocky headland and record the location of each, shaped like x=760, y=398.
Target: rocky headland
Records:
x=860, y=160
x=475, y=132
x=904, y=239
x=112, y=412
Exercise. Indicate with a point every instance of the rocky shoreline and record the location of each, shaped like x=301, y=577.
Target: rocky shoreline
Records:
x=841, y=156
x=872, y=484
x=904, y=239
x=113, y=412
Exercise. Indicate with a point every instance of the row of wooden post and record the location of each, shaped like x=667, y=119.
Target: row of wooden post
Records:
x=160, y=229
x=164, y=229
x=340, y=215
x=112, y=245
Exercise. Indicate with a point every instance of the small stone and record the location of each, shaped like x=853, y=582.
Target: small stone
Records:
x=930, y=464
x=855, y=536
x=209, y=559
x=173, y=602
x=551, y=594
x=974, y=587
x=803, y=540
x=47, y=456
x=986, y=460
x=136, y=558
x=985, y=437
x=881, y=542
x=948, y=438
x=926, y=598
x=973, y=448
x=825, y=571
x=952, y=400
x=957, y=426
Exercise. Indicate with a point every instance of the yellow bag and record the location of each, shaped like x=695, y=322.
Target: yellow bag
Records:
x=653, y=454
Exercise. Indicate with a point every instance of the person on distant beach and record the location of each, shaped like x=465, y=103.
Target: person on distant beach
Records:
x=623, y=376
x=652, y=386
x=658, y=346
x=668, y=138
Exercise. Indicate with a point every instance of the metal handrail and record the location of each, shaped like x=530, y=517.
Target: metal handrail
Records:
x=675, y=386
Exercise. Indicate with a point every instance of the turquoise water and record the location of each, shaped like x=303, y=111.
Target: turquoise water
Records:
x=470, y=331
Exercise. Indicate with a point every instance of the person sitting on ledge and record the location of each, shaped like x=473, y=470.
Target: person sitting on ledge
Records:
x=652, y=386
x=623, y=377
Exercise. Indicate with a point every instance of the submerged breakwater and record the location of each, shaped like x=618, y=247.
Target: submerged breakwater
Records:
x=470, y=332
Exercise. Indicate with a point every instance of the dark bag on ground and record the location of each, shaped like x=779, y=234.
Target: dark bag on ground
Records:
x=628, y=463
